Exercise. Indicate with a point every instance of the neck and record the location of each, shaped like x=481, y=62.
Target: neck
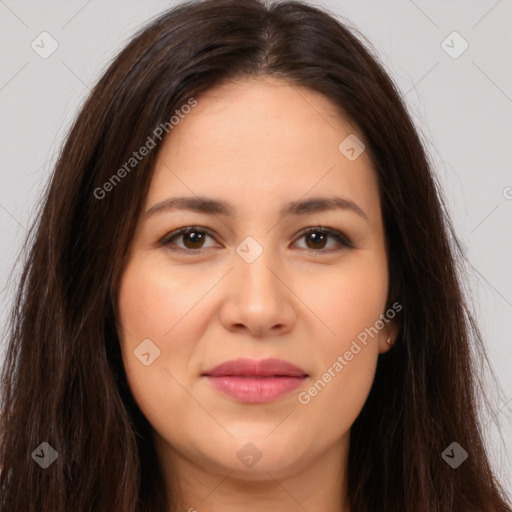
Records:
x=318, y=484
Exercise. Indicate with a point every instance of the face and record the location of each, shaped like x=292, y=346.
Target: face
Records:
x=256, y=279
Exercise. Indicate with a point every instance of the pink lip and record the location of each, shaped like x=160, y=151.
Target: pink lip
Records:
x=253, y=381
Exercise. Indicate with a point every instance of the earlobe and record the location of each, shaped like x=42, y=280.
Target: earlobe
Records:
x=389, y=337
x=384, y=347
x=389, y=334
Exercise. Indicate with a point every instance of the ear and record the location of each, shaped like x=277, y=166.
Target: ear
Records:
x=389, y=332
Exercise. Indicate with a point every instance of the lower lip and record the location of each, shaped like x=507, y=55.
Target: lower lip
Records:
x=255, y=390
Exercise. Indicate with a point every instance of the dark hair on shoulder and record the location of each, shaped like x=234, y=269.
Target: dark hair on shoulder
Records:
x=63, y=380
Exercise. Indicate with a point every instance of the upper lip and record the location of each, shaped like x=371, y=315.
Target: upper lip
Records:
x=256, y=368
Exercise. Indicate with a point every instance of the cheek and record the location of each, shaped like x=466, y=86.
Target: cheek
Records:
x=153, y=312
x=351, y=301
x=158, y=301
x=350, y=304
x=149, y=305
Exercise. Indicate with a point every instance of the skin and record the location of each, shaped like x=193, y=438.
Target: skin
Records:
x=257, y=144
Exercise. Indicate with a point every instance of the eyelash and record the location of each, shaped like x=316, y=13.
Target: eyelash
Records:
x=338, y=236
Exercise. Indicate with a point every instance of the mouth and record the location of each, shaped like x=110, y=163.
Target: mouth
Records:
x=255, y=381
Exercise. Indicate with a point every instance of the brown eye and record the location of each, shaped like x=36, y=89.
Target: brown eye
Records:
x=192, y=239
x=316, y=240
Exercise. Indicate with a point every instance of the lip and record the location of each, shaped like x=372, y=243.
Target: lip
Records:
x=255, y=381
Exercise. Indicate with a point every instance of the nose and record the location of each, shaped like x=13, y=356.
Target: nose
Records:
x=258, y=299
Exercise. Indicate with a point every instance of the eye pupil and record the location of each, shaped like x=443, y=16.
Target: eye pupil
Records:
x=195, y=237
x=316, y=238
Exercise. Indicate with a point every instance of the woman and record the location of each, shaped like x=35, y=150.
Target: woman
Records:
x=240, y=291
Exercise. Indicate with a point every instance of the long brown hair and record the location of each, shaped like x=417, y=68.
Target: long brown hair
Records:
x=63, y=381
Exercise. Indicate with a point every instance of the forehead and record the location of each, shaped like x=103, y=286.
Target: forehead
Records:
x=262, y=138
x=280, y=117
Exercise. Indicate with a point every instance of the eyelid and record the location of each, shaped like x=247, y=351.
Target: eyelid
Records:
x=340, y=237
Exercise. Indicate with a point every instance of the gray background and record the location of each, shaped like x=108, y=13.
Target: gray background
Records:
x=462, y=107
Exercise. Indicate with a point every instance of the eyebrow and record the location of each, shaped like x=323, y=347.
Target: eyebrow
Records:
x=217, y=207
